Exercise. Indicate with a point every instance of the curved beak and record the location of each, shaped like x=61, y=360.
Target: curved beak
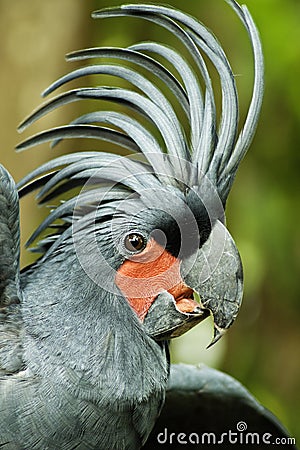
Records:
x=165, y=320
x=215, y=274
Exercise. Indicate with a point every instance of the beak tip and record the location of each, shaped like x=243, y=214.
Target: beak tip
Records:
x=218, y=333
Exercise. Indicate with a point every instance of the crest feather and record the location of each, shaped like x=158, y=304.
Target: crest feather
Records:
x=213, y=145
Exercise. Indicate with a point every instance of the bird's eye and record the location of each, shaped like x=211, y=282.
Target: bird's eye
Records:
x=135, y=242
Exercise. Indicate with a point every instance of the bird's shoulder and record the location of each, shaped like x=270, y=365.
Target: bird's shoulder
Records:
x=10, y=293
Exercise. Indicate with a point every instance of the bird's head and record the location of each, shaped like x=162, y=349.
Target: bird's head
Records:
x=150, y=227
x=180, y=269
x=164, y=247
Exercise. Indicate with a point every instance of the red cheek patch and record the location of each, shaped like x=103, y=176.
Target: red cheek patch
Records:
x=145, y=275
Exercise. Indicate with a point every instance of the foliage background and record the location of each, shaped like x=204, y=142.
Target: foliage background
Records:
x=262, y=349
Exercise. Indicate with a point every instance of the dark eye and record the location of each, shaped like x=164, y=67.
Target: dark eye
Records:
x=135, y=242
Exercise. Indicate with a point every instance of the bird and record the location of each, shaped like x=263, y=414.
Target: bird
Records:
x=135, y=250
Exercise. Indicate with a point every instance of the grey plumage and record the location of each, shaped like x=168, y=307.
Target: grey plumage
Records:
x=10, y=293
x=80, y=369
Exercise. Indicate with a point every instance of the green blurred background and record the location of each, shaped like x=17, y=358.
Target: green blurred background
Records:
x=262, y=349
